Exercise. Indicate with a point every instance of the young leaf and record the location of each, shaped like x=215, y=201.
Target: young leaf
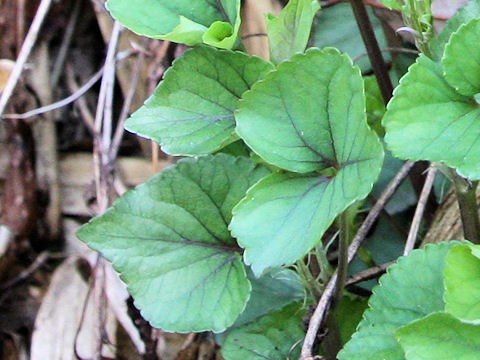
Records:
x=271, y=337
x=214, y=22
x=411, y=289
x=289, y=32
x=462, y=283
x=470, y=11
x=169, y=240
x=461, y=61
x=303, y=120
x=191, y=111
x=440, y=336
x=428, y=120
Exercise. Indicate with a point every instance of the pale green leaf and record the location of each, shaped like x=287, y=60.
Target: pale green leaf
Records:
x=289, y=32
x=169, y=240
x=411, y=289
x=191, y=111
x=270, y=337
x=470, y=11
x=462, y=283
x=307, y=115
x=461, y=61
x=428, y=120
x=181, y=20
x=392, y=4
x=440, y=336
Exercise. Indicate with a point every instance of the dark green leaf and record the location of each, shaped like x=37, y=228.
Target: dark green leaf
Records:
x=191, y=111
x=169, y=240
x=411, y=289
x=337, y=27
x=271, y=337
x=440, y=336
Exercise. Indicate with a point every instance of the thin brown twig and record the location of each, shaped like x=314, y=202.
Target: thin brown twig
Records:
x=419, y=211
x=59, y=104
x=368, y=274
x=127, y=103
x=27, y=47
x=68, y=100
x=25, y=274
x=390, y=49
x=85, y=112
x=322, y=307
x=102, y=173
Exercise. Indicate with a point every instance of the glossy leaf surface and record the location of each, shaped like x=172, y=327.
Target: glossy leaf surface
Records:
x=172, y=230
x=191, y=111
x=285, y=215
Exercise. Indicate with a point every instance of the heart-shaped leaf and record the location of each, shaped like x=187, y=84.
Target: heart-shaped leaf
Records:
x=289, y=32
x=440, y=336
x=191, y=111
x=428, y=120
x=214, y=22
x=411, y=289
x=307, y=115
x=461, y=61
x=462, y=283
x=169, y=240
x=270, y=337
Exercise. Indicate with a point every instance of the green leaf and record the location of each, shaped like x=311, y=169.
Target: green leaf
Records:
x=181, y=21
x=289, y=32
x=462, y=283
x=375, y=105
x=392, y=4
x=337, y=27
x=303, y=119
x=191, y=111
x=270, y=337
x=169, y=240
x=411, y=289
x=428, y=120
x=470, y=11
x=461, y=61
x=271, y=292
x=350, y=310
x=440, y=336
